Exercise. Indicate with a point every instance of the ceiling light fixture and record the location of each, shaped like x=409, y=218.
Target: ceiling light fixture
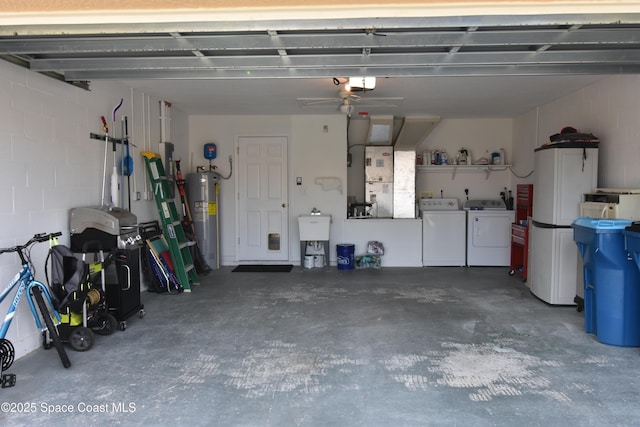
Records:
x=360, y=84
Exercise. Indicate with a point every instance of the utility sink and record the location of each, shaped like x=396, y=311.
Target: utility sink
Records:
x=314, y=227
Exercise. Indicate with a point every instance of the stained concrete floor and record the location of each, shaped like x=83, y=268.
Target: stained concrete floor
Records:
x=386, y=347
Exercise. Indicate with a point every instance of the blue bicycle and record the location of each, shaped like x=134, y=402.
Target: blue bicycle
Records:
x=38, y=292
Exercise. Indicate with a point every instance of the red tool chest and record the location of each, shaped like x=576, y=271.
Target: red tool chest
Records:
x=520, y=231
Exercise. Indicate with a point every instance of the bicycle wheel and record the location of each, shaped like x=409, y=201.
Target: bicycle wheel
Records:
x=53, y=332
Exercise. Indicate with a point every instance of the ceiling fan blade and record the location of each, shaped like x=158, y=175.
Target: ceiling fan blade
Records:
x=363, y=101
x=380, y=102
x=310, y=102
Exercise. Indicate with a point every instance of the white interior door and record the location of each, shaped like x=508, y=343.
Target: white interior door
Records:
x=262, y=199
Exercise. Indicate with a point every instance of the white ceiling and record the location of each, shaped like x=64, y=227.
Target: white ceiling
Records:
x=473, y=96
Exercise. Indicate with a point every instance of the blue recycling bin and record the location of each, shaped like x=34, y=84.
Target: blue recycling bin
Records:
x=632, y=242
x=611, y=281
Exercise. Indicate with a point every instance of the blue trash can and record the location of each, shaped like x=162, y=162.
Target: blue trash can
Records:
x=345, y=256
x=611, y=281
x=632, y=242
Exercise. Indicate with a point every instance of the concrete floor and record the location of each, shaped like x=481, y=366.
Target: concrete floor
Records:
x=387, y=347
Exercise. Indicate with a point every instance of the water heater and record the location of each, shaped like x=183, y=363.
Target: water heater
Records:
x=203, y=190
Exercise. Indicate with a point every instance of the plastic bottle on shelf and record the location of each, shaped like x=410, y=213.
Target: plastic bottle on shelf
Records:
x=503, y=157
x=495, y=158
x=463, y=157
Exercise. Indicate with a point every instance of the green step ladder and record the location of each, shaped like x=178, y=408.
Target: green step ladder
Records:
x=179, y=246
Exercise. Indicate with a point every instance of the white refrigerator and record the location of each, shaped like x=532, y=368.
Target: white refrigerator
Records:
x=563, y=173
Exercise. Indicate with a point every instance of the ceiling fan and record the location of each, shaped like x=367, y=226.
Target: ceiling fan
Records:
x=346, y=100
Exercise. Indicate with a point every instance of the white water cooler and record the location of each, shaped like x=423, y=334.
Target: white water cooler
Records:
x=203, y=190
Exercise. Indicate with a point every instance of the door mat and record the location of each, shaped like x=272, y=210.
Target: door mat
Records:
x=258, y=268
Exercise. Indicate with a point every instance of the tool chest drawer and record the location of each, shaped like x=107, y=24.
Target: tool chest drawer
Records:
x=518, y=230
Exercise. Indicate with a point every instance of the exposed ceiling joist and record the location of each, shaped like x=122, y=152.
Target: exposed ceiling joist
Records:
x=441, y=46
x=618, y=58
x=423, y=71
x=416, y=51
x=252, y=42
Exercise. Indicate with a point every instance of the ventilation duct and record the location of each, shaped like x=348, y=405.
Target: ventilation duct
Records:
x=414, y=130
x=380, y=130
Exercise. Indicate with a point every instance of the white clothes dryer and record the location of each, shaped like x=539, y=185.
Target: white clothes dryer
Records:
x=488, y=232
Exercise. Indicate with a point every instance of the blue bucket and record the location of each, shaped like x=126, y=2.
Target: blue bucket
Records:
x=345, y=256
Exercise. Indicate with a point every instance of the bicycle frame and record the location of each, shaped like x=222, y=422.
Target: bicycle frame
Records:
x=24, y=280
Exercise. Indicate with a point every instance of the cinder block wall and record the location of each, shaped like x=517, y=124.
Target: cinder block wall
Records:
x=610, y=109
x=51, y=165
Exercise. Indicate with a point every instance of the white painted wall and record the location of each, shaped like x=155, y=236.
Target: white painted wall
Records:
x=480, y=137
x=51, y=165
x=610, y=109
x=525, y=136
x=312, y=153
x=318, y=154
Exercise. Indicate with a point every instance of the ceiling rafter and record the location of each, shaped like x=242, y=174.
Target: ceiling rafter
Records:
x=444, y=59
x=204, y=42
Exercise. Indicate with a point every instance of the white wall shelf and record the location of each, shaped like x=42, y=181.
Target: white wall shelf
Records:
x=453, y=169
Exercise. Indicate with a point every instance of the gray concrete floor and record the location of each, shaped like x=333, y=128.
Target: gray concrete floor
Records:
x=386, y=347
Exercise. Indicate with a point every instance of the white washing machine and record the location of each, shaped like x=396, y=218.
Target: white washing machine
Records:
x=443, y=232
x=488, y=232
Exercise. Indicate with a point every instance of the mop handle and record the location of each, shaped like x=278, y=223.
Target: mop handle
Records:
x=114, y=120
x=105, y=127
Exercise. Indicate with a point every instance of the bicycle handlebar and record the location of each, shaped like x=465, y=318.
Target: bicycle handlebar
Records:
x=37, y=238
x=43, y=237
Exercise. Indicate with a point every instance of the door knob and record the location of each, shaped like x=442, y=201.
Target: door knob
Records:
x=284, y=205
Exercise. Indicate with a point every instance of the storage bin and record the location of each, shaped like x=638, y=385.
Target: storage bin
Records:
x=611, y=281
x=345, y=256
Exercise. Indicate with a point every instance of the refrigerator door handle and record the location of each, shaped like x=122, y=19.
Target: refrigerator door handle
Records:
x=545, y=225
